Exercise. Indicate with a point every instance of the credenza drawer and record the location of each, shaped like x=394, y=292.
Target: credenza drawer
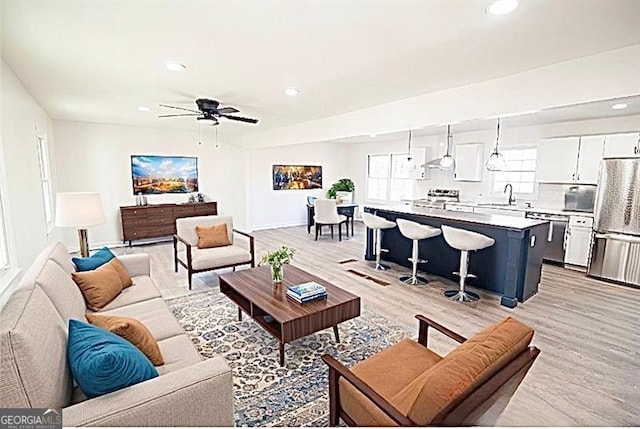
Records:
x=179, y=212
x=159, y=220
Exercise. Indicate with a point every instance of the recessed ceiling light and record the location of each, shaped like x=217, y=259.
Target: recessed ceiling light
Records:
x=144, y=109
x=291, y=91
x=373, y=136
x=620, y=106
x=502, y=7
x=175, y=66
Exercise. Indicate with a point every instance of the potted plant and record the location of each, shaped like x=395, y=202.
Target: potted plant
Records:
x=342, y=188
x=276, y=259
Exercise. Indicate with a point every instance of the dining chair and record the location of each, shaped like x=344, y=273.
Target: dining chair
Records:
x=326, y=213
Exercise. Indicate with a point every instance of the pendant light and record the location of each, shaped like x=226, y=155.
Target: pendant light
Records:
x=408, y=162
x=496, y=161
x=447, y=162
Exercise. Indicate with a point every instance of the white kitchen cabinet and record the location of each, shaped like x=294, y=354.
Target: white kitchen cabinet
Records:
x=622, y=145
x=578, y=241
x=469, y=162
x=498, y=211
x=420, y=155
x=570, y=160
x=557, y=160
x=458, y=208
x=589, y=157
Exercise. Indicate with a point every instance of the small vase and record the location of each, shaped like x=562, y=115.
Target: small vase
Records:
x=277, y=273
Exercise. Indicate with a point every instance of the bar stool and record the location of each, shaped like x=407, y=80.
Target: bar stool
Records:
x=464, y=241
x=416, y=232
x=377, y=224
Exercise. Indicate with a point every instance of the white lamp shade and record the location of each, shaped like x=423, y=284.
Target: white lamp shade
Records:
x=79, y=209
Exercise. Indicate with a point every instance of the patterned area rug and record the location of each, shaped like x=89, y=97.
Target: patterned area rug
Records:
x=265, y=393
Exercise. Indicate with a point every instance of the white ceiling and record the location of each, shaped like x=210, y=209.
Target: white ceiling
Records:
x=578, y=112
x=99, y=60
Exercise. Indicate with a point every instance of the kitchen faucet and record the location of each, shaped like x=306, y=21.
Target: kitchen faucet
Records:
x=512, y=199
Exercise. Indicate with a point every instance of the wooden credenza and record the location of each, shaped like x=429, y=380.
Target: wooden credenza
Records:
x=158, y=220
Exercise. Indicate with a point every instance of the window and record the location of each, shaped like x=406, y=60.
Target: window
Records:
x=4, y=254
x=388, y=177
x=45, y=178
x=520, y=171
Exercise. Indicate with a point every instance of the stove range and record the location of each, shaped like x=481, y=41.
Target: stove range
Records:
x=437, y=198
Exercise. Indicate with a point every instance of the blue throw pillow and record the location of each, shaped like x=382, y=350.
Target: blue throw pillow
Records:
x=101, y=257
x=102, y=362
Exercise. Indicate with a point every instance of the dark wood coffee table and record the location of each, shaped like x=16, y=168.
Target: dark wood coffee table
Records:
x=254, y=293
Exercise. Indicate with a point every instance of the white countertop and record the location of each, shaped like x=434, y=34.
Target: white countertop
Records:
x=508, y=222
x=517, y=207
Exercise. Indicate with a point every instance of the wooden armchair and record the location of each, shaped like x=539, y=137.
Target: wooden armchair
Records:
x=197, y=260
x=410, y=385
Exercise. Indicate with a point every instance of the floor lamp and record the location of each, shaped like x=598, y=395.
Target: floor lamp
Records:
x=79, y=210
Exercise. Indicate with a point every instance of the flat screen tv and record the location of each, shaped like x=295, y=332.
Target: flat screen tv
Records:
x=164, y=174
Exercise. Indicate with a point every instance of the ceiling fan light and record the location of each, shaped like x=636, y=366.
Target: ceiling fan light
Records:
x=447, y=163
x=496, y=162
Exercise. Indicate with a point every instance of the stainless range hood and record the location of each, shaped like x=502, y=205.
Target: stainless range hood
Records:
x=434, y=163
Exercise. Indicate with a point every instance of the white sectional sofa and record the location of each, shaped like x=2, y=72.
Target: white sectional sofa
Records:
x=33, y=361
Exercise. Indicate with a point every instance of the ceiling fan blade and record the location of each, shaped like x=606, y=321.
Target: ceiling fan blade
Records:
x=179, y=108
x=227, y=110
x=181, y=114
x=241, y=119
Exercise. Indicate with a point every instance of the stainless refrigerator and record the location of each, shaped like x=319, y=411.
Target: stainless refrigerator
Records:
x=616, y=247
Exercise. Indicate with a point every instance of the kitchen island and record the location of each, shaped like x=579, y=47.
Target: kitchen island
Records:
x=511, y=267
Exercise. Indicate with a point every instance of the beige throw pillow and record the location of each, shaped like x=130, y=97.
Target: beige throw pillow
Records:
x=212, y=236
x=131, y=330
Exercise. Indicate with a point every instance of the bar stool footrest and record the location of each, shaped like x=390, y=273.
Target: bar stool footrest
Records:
x=457, y=295
x=411, y=280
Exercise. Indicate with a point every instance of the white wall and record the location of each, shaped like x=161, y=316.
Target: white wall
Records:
x=96, y=157
x=20, y=177
x=271, y=209
x=510, y=137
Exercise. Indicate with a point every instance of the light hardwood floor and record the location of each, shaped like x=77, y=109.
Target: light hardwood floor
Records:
x=588, y=331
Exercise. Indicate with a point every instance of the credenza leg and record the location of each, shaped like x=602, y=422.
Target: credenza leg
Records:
x=336, y=333
x=129, y=243
x=281, y=354
x=239, y=314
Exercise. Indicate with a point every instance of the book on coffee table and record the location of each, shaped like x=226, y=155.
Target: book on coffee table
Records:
x=319, y=296
x=306, y=290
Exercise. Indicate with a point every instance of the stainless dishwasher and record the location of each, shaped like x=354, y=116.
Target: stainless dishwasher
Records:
x=554, y=249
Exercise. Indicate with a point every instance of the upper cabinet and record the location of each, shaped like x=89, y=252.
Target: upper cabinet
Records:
x=569, y=160
x=469, y=162
x=557, y=160
x=589, y=158
x=622, y=146
x=419, y=156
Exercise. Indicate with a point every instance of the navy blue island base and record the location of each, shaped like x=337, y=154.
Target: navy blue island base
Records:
x=512, y=267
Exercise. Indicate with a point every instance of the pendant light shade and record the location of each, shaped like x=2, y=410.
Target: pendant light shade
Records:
x=447, y=163
x=496, y=161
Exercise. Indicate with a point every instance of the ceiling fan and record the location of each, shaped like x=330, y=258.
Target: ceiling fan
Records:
x=210, y=110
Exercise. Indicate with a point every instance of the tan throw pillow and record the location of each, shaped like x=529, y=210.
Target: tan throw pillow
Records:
x=131, y=330
x=100, y=286
x=212, y=236
x=125, y=278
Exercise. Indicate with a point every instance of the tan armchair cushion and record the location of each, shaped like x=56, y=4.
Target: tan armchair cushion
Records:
x=212, y=236
x=387, y=372
x=205, y=259
x=462, y=370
